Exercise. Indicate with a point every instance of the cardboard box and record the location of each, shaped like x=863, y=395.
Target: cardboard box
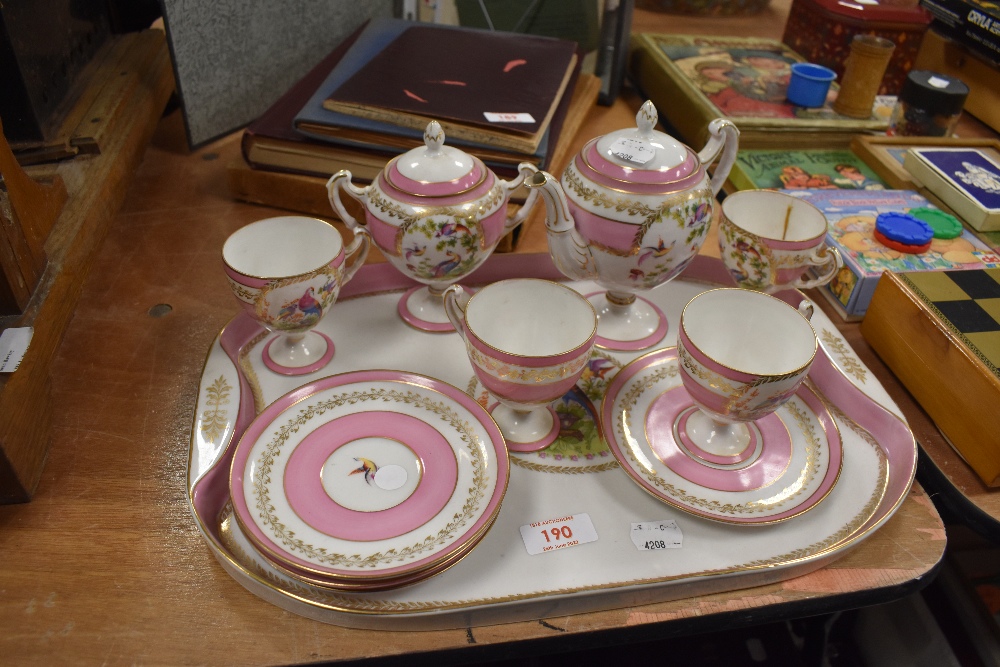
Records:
x=822, y=31
x=851, y=217
x=966, y=179
x=940, y=334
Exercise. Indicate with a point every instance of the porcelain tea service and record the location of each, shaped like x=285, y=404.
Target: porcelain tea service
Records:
x=631, y=211
x=436, y=213
x=286, y=272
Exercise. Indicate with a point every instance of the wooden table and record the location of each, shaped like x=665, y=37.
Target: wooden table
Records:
x=105, y=564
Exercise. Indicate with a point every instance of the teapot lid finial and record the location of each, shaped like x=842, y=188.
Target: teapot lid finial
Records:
x=646, y=119
x=433, y=137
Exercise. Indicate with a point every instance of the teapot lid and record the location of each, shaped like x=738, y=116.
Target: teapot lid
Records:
x=642, y=154
x=435, y=170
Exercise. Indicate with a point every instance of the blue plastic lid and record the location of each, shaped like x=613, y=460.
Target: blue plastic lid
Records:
x=904, y=228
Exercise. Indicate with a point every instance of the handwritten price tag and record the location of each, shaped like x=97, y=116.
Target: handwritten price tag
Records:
x=633, y=150
x=656, y=535
x=555, y=534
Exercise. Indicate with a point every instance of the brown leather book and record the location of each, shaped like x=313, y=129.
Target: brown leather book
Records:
x=495, y=88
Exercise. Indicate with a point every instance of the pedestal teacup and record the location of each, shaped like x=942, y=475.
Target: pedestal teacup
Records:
x=287, y=272
x=769, y=239
x=529, y=341
x=741, y=355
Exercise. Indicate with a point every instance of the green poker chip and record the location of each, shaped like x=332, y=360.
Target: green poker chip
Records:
x=945, y=226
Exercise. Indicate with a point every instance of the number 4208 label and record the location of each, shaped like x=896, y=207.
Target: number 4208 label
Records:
x=655, y=535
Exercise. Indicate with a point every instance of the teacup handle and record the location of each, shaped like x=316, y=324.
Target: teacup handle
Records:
x=456, y=298
x=342, y=180
x=806, y=309
x=820, y=257
x=356, y=253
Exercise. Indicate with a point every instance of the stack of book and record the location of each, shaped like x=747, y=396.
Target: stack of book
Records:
x=975, y=24
x=695, y=79
x=506, y=98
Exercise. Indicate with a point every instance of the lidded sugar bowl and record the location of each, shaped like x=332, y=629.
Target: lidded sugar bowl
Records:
x=631, y=211
x=436, y=213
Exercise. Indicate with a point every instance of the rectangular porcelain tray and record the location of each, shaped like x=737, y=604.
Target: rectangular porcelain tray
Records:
x=499, y=581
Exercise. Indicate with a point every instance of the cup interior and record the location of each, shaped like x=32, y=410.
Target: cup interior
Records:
x=282, y=247
x=531, y=318
x=762, y=213
x=749, y=331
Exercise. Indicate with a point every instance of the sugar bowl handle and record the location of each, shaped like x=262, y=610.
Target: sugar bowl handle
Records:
x=342, y=180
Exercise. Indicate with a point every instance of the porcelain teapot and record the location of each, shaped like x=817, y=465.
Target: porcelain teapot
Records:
x=436, y=213
x=632, y=210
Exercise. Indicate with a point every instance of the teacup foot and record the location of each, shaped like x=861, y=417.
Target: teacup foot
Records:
x=627, y=327
x=308, y=355
x=424, y=310
x=526, y=431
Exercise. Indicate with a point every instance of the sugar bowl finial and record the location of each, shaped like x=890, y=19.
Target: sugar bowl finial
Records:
x=433, y=137
x=646, y=118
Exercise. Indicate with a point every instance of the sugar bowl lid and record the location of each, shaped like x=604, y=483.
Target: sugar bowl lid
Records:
x=434, y=169
x=642, y=155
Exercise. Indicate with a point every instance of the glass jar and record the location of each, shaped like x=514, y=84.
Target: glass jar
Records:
x=929, y=105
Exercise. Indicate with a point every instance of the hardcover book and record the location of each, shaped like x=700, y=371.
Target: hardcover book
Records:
x=489, y=87
x=851, y=219
x=316, y=121
x=695, y=79
x=966, y=179
x=797, y=170
x=940, y=334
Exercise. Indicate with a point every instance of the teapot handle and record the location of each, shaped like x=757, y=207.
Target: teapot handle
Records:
x=724, y=136
x=342, y=179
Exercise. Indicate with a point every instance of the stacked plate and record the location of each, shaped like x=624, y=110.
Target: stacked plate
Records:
x=369, y=480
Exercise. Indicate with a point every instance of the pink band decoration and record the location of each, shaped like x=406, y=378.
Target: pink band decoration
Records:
x=304, y=488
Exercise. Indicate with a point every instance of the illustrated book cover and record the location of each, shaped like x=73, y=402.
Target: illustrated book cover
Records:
x=495, y=88
x=695, y=79
x=757, y=169
x=851, y=216
x=939, y=332
x=966, y=179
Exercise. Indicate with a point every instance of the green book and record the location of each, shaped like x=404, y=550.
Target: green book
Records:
x=797, y=170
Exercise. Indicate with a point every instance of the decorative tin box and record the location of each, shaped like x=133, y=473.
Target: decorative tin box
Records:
x=822, y=30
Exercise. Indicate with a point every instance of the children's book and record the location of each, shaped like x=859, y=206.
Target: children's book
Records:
x=851, y=216
x=798, y=170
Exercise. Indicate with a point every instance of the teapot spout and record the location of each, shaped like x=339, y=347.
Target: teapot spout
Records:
x=569, y=251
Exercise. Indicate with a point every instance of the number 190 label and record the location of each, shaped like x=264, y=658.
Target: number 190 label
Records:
x=558, y=533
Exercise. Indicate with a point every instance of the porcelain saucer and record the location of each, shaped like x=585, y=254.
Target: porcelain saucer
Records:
x=791, y=463
x=368, y=476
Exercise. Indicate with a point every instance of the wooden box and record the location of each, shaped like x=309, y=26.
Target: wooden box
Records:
x=939, y=332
